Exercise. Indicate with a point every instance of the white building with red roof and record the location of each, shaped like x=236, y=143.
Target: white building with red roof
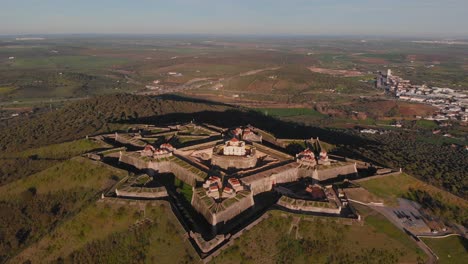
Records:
x=323, y=158
x=213, y=191
x=212, y=180
x=306, y=157
x=235, y=184
x=167, y=146
x=234, y=147
x=148, y=151
x=228, y=192
x=249, y=135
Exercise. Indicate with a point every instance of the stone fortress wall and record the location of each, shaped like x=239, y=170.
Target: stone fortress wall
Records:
x=264, y=181
x=234, y=210
x=222, y=212
x=226, y=162
x=306, y=206
x=326, y=173
x=333, y=172
x=145, y=193
x=278, y=168
x=260, y=181
x=162, y=166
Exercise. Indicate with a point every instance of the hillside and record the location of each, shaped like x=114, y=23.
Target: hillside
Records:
x=87, y=117
x=433, y=161
x=440, y=203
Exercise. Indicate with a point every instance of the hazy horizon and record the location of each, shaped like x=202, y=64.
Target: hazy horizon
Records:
x=380, y=18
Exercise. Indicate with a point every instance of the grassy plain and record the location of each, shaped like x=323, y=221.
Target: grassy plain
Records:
x=19, y=164
x=33, y=206
x=288, y=112
x=58, y=151
x=392, y=187
x=68, y=62
x=321, y=240
x=99, y=221
x=74, y=173
x=452, y=249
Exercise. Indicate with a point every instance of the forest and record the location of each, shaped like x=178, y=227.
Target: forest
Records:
x=443, y=166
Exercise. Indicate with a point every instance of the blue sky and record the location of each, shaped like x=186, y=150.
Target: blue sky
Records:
x=444, y=18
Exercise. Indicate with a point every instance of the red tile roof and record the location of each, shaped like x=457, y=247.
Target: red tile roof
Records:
x=149, y=147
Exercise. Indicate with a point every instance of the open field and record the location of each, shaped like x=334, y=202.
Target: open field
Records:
x=288, y=112
x=57, y=151
x=85, y=236
x=453, y=249
x=74, y=173
x=20, y=164
x=392, y=187
x=33, y=206
x=344, y=73
x=442, y=204
x=321, y=240
x=254, y=73
x=252, y=68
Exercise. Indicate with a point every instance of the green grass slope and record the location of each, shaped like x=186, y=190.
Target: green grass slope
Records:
x=453, y=250
x=321, y=240
x=439, y=202
x=34, y=206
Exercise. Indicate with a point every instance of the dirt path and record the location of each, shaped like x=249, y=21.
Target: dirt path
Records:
x=258, y=71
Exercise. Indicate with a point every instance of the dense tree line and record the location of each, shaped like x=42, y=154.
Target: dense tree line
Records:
x=88, y=117
x=444, y=166
x=437, y=206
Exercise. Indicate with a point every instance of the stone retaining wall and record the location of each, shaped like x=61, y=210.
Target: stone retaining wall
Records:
x=264, y=182
x=142, y=193
x=227, y=162
x=301, y=206
x=162, y=166
x=329, y=173
x=223, y=215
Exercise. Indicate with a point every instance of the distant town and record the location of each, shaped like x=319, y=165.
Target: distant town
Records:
x=452, y=104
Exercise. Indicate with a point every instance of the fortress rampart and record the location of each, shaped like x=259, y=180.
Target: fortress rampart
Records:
x=224, y=211
x=141, y=192
x=326, y=173
x=227, y=162
x=179, y=168
x=264, y=181
x=199, y=146
x=308, y=206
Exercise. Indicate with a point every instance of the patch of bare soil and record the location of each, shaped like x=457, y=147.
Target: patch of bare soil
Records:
x=362, y=195
x=374, y=60
x=344, y=73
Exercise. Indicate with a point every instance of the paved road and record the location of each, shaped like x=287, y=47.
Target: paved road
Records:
x=432, y=257
x=383, y=211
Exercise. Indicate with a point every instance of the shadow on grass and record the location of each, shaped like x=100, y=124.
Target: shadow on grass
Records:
x=345, y=140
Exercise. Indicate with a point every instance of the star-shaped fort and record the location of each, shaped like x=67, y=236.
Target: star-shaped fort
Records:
x=222, y=180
